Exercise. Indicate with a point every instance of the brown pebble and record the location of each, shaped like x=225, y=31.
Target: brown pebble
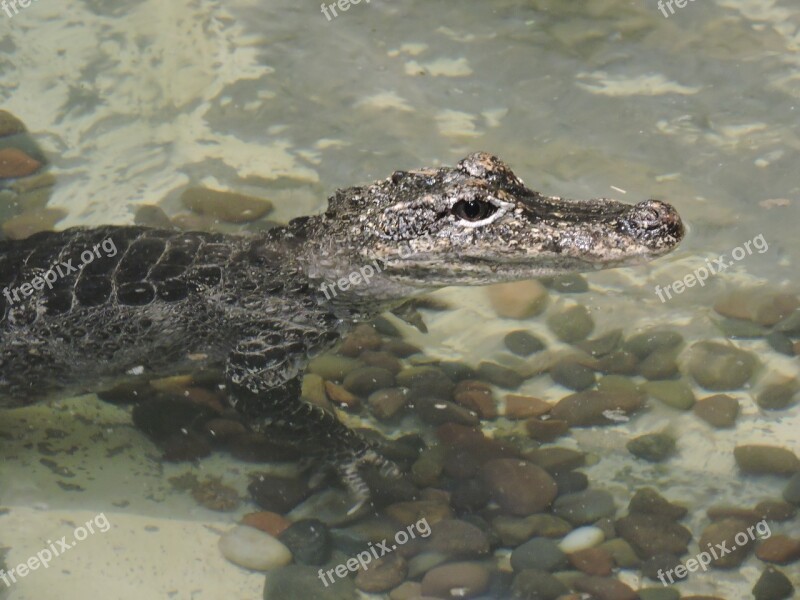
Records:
x=15, y=163
x=268, y=522
x=518, y=300
x=456, y=580
x=592, y=561
x=776, y=510
x=546, y=430
x=382, y=575
x=340, y=396
x=525, y=407
x=223, y=429
x=779, y=549
x=518, y=486
x=478, y=400
x=605, y=589
x=719, y=410
x=757, y=305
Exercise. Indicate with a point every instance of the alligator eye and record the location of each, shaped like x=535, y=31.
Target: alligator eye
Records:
x=473, y=210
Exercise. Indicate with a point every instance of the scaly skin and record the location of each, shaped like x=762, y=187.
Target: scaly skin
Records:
x=167, y=302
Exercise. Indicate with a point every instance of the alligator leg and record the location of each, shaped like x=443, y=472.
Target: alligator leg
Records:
x=264, y=384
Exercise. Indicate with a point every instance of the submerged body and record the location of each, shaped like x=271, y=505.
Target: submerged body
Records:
x=154, y=302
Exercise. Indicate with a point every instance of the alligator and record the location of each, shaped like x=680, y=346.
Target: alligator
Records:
x=261, y=306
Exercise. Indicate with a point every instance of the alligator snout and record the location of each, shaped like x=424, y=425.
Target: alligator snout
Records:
x=653, y=220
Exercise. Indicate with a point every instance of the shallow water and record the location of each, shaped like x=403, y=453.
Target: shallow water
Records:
x=132, y=102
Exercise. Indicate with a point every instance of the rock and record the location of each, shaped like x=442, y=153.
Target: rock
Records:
x=256, y=447
x=410, y=590
x=383, y=574
x=426, y=381
x=677, y=394
x=572, y=324
x=458, y=538
x=556, y=459
x=9, y=124
x=309, y=541
x=659, y=593
x=720, y=367
x=539, y=553
x=469, y=496
x=622, y=552
x=400, y=348
x=645, y=343
x=779, y=549
x=225, y=206
x=151, y=215
x=332, y=367
x=456, y=580
x=602, y=588
x=584, y=507
x=513, y=531
x=435, y=412
x=519, y=487
x=602, y=345
x=588, y=408
x=362, y=339
x=27, y=223
x=791, y=493
x=652, y=447
x=386, y=404
x=523, y=343
x=530, y=584
x=571, y=482
x=298, y=581
x=545, y=429
x=725, y=532
x=330, y=506
x=664, y=566
x=739, y=329
x=15, y=163
x=185, y=446
x=780, y=342
x=253, y=549
x=523, y=407
x=660, y=364
x=477, y=397
x=383, y=359
x=761, y=459
x=757, y=305
x=499, y=375
x=365, y=380
x=647, y=501
x=617, y=384
x=620, y=362
x=773, y=585
x=581, y=538
x=517, y=300
x=277, y=494
x=268, y=522
x=340, y=397
x=775, y=510
x=651, y=535
x=778, y=396
x=409, y=513
x=719, y=410
x=592, y=561
x=572, y=375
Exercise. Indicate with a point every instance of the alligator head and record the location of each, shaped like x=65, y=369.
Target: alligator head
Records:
x=478, y=224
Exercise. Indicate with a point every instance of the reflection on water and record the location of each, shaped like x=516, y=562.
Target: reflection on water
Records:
x=154, y=103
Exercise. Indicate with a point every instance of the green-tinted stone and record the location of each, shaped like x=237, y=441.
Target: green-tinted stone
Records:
x=780, y=342
x=740, y=328
x=652, y=447
x=572, y=324
x=603, y=345
x=643, y=344
x=332, y=366
x=573, y=283
x=659, y=593
x=721, y=367
x=616, y=384
x=523, y=343
x=773, y=585
x=572, y=375
x=676, y=394
x=778, y=396
x=659, y=364
x=760, y=459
